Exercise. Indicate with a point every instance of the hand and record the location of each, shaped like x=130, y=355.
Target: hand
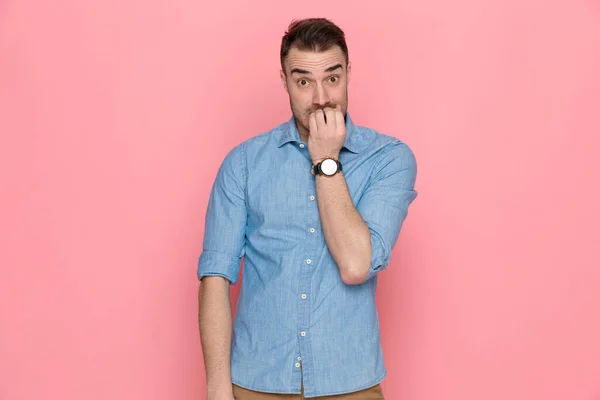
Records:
x=325, y=139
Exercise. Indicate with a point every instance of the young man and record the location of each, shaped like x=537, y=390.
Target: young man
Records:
x=315, y=206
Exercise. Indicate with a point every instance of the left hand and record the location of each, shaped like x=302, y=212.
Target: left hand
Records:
x=325, y=139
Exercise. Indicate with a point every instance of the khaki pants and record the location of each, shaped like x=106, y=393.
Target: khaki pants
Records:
x=372, y=393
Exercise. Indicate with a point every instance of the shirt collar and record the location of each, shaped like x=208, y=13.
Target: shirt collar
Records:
x=289, y=133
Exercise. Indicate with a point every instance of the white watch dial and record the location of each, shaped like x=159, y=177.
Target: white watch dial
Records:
x=329, y=166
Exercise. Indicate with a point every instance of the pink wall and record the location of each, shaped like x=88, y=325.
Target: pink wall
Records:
x=115, y=115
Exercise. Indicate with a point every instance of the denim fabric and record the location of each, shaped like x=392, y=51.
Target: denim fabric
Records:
x=296, y=320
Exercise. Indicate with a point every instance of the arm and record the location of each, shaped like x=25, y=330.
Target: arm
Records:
x=346, y=234
x=214, y=320
x=361, y=239
x=218, y=267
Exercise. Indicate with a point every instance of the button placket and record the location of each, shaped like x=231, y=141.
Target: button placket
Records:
x=304, y=300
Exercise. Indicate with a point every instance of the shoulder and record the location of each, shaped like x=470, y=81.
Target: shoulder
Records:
x=259, y=142
x=236, y=158
x=385, y=147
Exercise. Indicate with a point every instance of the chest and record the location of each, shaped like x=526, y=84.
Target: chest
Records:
x=281, y=191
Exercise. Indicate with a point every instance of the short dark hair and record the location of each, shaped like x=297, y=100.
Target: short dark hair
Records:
x=316, y=34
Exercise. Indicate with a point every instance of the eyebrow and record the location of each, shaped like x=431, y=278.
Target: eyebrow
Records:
x=303, y=71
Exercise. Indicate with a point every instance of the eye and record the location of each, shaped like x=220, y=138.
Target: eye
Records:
x=333, y=79
x=302, y=82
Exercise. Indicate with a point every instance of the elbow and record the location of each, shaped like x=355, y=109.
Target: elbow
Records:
x=355, y=269
x=355, y=274
x=354, y=280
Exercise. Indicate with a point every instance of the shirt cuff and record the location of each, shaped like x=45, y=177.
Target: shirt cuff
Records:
x=212, y=263
x=380, y=257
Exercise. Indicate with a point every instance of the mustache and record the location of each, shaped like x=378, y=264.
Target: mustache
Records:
x=328, y=105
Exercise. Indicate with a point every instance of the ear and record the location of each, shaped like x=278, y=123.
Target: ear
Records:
x=348, y=72
x=283, y=80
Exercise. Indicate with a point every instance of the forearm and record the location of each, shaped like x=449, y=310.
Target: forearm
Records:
x=215, y=323
x=347, y=236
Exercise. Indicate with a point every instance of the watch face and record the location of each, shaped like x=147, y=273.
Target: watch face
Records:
x=329, y=166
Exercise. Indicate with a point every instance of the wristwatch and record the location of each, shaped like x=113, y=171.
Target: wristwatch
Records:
x=327, y=167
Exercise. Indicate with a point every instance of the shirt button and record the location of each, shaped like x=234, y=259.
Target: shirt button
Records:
x=297, y=365
x=302, y=333
x=299, y=358
x=312, y=198
x=303, y=295
x=308, y=261
x=312, y=230
x=301, y=145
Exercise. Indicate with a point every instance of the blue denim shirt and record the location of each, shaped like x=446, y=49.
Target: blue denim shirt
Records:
x=296, y=320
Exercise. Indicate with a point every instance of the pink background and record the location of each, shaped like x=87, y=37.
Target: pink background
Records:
x=115, y=116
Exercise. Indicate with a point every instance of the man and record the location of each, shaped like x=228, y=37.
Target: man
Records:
x=315, y=207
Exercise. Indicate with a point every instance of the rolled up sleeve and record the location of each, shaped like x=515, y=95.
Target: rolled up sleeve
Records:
x=385, y=202
x=225, y=221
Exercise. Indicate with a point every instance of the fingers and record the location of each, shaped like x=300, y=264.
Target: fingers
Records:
x=312, y=123
x=339, y=117
x=331, y=118
x=320, y=117
x=326, y=118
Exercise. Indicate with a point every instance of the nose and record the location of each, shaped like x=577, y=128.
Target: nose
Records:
x=320, y=96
